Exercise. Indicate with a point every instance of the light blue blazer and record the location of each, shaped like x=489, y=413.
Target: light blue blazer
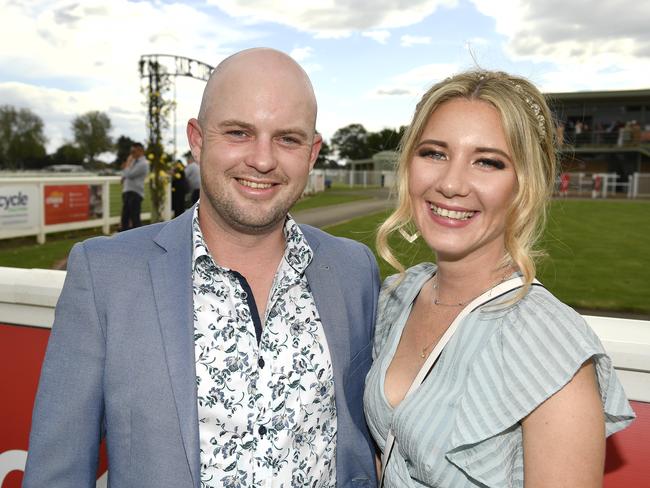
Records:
x=120, y=361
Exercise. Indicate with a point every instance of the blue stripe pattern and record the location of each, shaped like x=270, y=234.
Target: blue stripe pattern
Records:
x=461, y=428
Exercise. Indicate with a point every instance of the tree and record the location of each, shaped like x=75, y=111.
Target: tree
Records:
x=385, y=139
x=325, y=159
x=91, y=133
x=68, y=154
x=351, y=142
x=21, y=137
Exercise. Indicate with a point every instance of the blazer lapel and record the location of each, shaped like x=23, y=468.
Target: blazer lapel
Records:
x=171, y=275
x=322, y=277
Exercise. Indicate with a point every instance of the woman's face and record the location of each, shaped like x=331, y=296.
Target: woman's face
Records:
x=462, y=181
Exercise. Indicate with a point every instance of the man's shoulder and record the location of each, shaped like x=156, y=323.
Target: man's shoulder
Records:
x=135, y=241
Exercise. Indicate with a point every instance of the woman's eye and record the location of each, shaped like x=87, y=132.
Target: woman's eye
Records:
x=491, y=163
x=432, y=154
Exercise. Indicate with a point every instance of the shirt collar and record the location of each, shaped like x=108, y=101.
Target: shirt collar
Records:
x=297, y=253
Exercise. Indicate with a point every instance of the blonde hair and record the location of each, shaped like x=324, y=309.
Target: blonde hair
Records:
x=529, y=130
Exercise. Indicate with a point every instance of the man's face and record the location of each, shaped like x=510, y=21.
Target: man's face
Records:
x=257, y=146
x=136, y=151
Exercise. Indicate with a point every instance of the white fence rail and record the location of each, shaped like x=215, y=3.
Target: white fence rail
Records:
x=639, y=185
x=28, y=297
x=29, y=205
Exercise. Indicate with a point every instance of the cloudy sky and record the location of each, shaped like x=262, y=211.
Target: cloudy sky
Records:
x=369, y=60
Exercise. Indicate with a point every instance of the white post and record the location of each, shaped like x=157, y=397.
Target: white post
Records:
x=635, y=191
x=351, y=177
x=106, y=207
x=365, y=178
x=605, y=184
x=167, y=210
x=40, y=237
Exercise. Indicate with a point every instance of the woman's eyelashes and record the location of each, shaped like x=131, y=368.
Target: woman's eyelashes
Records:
x=436, y=154
x=427, y=152
x=491, y=162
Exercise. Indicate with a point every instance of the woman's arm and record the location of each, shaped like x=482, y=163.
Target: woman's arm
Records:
x=564, y=438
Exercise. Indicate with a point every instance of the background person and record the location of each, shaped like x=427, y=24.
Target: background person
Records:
x=193, y=176
x=179, y=188
x=523, y=393
x=226, y=347
x=134, y=172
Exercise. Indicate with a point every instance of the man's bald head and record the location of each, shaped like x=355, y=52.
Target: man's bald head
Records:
x=257, y=68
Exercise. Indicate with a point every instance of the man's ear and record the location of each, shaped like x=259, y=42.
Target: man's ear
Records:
x=315, y=149
x=195, y=138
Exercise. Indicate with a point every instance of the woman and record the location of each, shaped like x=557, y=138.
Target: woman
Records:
x=523, y=393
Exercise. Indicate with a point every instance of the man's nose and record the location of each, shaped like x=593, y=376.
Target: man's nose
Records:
x=262, y=155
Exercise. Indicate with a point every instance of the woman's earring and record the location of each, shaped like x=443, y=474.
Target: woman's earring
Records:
x=410, y=238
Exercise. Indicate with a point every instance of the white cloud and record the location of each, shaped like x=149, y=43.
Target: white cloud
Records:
x=408, y=40
x=381, y=36
x=415, y=81
x=301, y=53
x=591, y=37
x=333, y=18
x=70, y=58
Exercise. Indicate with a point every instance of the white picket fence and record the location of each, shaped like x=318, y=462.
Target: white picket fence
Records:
x=23, y=201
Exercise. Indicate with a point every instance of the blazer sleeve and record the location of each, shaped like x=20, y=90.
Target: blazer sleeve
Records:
x=66, y=422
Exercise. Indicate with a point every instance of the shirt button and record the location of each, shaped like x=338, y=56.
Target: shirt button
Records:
x=261, y=430
x=260, y=362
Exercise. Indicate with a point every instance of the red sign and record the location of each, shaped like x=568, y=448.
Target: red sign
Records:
x=22, y=350
x=72, y=203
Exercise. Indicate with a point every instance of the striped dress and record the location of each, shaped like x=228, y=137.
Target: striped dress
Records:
x=461, y=428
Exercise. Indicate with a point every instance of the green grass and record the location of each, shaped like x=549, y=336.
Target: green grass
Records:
x=25, y=253
x=329, y=197
x=598, y=252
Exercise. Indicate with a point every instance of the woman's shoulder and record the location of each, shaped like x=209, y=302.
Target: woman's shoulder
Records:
x=397, y=293
x=542, y=313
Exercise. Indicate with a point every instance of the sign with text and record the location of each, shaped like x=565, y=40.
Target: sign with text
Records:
x=18, y=206
x=72, y=203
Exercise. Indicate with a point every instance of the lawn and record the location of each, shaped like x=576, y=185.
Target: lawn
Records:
x=598, y=252
x=25, y=253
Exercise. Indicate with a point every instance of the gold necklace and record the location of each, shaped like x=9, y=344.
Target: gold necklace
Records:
x=507, y=273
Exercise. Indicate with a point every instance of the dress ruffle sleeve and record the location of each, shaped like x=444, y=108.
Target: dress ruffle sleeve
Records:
x=538, y=347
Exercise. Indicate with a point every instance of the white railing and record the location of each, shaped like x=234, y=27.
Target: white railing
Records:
x=639, y=185
x=357, y=178
x=23, y=202
x=28, y=297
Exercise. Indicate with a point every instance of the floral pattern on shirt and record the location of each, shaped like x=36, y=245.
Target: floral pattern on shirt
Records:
x=267, y=412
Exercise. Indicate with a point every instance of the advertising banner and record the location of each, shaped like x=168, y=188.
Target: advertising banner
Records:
x=22, y=350
x=18, y=206
x=72, y=203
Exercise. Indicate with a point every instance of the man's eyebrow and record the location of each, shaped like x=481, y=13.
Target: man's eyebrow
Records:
x=235, y=123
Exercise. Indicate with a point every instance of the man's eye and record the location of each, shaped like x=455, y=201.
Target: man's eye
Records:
x=236, y=133
x=289, y=140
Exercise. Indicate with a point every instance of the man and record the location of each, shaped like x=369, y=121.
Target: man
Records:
x=193, y=175
x=134, y=172
x=252, y=374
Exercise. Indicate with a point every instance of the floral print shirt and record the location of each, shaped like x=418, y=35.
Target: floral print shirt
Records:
x=267, y=413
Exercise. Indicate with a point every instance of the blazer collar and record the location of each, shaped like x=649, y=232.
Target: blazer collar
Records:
x=171, y=276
